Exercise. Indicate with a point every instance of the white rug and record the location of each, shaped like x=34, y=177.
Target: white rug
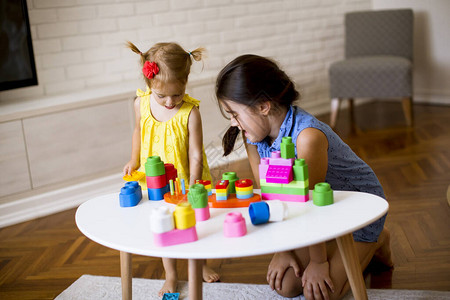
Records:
x=89, y=287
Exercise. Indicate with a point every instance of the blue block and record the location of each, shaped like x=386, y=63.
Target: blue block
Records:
x=259, y=212
x=158, y=194
x=221, y=198
x=171, y=296
x=137, y=186
x=248, y=196
x=130, y=194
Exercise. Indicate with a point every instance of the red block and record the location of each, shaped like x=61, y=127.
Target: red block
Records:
x=243, y=183
x=222, y=184
x=171, y=172
x=156, y=182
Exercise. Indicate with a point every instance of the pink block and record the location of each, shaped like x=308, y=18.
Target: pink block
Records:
x=174, y=237
x=202, y=214
x=275, y=159
x=234, y=225
x=282, y=161
x=285, y=197
x=263, y=167
x=279, y=174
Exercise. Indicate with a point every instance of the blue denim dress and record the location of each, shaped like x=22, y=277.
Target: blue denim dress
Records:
x=346, y=171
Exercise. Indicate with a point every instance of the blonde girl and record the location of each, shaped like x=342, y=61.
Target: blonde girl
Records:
x=168, y=124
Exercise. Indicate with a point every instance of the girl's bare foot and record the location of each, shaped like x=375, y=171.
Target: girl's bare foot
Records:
x=209, y=275
x=169, y=286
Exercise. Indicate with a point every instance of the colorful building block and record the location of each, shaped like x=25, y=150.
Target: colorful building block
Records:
x=244, y=189
x=135, y=176
x=198, y=198
x=278, y=210
x=271, y=211
x=184, y=221
x=130, y=194
x=300, y=170
x=184, y=216
x=156, y=182
x=171, y=296
x=259, y=213
x=206, y=184
x=263, y=167
x=287, y=147
x=154, y=166
x=234, y=225
x=277, y=160
x=171, y=172
x=222, y=190
x=232, y=178
x=322, y=194
x=157, y=194
x=285, y=197
x=161, y=220
x=175, y=237
x=279, y=174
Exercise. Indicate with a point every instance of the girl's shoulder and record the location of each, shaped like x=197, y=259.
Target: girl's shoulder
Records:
x=191, y=100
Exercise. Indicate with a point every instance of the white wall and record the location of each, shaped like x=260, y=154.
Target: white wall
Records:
x=86, y=74
x=431, y=47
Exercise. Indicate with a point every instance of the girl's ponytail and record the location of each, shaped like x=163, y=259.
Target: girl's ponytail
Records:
x=197, y=54
x=137, y=51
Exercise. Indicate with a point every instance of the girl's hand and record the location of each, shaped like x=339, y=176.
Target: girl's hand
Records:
x=315, y=279
x=130, y=167
x=280, y=263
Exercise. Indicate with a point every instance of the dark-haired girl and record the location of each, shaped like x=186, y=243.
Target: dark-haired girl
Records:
x=258, y=98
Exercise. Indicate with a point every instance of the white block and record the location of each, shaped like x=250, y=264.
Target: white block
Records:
x=57, y=30
x=115, y=10
x=76, y=13
x=161, y=220
x=42, y=16
x=278, y=210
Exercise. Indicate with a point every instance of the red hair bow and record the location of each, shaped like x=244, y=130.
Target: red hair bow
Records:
x=150, y=69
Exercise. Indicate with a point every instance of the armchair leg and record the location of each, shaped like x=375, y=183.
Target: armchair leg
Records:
x=408, y=110
x=351, y=114
x=335, y=103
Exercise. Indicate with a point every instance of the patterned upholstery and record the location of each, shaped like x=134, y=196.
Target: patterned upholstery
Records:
x=378, y=55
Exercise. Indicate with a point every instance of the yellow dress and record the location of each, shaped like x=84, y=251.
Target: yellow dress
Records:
x=170, y=139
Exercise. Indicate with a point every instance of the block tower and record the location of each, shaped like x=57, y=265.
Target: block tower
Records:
x=282, y=176
x=155, y=175
x=173, y=228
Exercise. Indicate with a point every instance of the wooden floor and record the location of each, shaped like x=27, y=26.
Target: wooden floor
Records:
x=41, y=258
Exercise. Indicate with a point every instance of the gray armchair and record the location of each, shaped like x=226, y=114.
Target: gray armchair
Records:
x=378, y=60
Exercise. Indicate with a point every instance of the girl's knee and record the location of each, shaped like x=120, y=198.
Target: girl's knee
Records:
x=291, y=286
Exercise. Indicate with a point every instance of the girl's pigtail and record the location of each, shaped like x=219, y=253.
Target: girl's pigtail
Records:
x=137, y=51
x=229, y=139
x=198, y=53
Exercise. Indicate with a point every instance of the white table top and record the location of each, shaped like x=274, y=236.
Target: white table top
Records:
x=128, y=228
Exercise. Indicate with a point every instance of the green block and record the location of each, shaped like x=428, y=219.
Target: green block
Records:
x=154, y=166
x=197, y=196
x=231, y=177
x=300, y=184
x=287, y=148
x=322, y=194
x=300, y=170
x=285, y=190
x=263, y=182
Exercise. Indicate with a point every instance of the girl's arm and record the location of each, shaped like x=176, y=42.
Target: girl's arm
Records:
x=253, y=158
x=133, y=164
x=312, y=145
x=195, y=145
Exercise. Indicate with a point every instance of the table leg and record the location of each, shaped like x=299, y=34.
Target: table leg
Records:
x=352, y=266
x=195, y=279
x=126, y=275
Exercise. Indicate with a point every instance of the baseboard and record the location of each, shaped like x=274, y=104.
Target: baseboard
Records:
x=58, y=200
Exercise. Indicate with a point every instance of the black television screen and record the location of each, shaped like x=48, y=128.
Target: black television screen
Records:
x=17, y=67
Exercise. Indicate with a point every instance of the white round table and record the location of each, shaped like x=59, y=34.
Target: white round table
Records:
x=127, y=229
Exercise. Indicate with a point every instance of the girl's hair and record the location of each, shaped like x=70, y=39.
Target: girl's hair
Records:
x=173, y=61
x=251, y=80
